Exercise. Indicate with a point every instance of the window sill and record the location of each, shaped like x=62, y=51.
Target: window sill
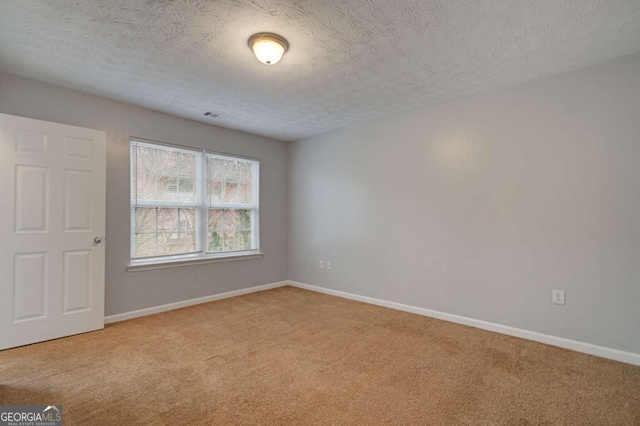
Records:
x=147, y=266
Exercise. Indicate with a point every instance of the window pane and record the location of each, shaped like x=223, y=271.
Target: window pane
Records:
x=231, y=170
x=145, y=220
x=145, y=245
x=215, y=172
x=186, y=177
x=245, y=183
x=168, y=207
x=231, y=192
x=216, y=233
x=230, y=181
x=145, y=173
x=229, y=230
x=164, y=175
x=164, y=231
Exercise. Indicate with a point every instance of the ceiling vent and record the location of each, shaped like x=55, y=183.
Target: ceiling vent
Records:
x=214, y=115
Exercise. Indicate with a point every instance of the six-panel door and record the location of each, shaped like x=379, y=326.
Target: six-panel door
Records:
x=52, y=206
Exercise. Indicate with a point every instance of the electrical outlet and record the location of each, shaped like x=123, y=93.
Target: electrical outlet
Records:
x=322, y=264
x=329, y=265
x=558, y=297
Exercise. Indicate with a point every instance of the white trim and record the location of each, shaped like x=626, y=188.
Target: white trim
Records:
x=183, y=304
x=161, y=263
x=151, y=144
x=574, y=345
x=190, y=148
x=201, y=207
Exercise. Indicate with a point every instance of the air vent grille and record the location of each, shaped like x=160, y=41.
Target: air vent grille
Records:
x=214, y=115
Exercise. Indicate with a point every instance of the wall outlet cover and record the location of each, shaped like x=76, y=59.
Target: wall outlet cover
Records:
x=558, y=297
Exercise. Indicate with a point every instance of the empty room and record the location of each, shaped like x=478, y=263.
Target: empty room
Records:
x=319, y=212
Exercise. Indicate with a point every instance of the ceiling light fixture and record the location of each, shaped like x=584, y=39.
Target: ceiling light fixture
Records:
x=268, y=47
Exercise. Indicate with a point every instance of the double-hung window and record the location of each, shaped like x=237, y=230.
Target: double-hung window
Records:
x=191, y=204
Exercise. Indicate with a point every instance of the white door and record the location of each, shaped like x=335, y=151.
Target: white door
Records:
x=52, y=207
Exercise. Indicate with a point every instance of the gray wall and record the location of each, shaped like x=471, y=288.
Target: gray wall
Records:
x=127, y=291
x=481, y=207
x=477, y=208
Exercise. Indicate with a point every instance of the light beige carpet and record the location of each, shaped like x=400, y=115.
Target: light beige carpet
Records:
x=289, y=356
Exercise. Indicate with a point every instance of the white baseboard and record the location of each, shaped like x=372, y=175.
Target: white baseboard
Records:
x=184, y=303
x=587, y=348
x=574, y=345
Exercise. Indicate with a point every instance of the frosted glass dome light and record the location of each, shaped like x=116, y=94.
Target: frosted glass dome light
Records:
x=268, y=47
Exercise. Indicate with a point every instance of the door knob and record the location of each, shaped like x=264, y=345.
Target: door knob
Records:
x=97, y=240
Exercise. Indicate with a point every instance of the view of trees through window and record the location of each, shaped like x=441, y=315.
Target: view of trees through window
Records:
x=230, y=192
x=229, y=230
x=164, y=231
x=174, y=191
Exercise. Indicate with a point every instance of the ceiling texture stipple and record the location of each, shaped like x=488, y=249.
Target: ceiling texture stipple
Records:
x=350, y=61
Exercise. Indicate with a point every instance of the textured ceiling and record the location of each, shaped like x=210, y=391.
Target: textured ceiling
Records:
x=350, y=61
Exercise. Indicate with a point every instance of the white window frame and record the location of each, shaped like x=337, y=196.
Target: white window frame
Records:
x=202, y=206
